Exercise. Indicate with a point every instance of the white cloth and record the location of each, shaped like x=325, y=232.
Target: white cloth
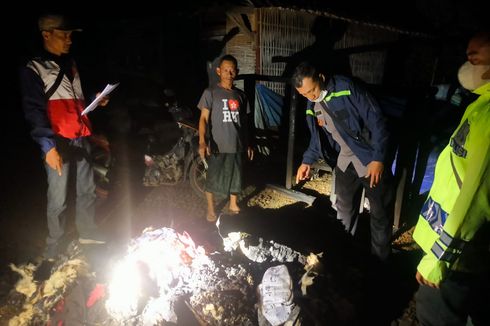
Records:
x=276, y=295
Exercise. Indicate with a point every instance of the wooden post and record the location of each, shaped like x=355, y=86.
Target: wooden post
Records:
x=291, y=137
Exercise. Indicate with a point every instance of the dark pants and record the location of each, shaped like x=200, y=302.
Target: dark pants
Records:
x=460, y=296
x=348, y=189
x=224, y=175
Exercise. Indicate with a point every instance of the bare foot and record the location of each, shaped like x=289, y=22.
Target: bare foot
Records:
x=211, y=217
x=233, y=209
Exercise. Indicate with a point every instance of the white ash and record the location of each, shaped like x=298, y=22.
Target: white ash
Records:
x=261, y=251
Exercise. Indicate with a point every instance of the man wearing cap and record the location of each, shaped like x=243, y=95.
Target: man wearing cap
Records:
x=52, y=101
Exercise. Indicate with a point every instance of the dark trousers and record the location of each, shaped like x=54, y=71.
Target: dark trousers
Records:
x=224, y=175
x=348, y=188
x=460, y=296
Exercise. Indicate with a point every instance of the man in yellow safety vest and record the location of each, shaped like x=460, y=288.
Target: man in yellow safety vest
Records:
x=454, y=225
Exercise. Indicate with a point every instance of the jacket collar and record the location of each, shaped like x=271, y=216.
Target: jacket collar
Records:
x=485, y=89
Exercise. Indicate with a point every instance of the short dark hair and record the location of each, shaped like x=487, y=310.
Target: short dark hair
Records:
x=305, y=70
x=228, y=57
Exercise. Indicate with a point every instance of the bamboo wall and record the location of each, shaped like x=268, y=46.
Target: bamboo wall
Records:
x=279, y=32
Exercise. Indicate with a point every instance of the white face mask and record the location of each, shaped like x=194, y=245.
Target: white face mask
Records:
x=322, y=96
x=471, y=76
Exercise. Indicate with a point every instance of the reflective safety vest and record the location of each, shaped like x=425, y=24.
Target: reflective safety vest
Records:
x=459, y=199
x=65, y=105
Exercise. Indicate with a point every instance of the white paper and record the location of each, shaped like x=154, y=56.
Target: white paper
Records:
x=107, y=90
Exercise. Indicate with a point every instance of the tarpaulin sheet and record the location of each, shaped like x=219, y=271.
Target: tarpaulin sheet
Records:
x=268, y=107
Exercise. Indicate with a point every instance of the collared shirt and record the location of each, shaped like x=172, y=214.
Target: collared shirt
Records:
x=346, y=155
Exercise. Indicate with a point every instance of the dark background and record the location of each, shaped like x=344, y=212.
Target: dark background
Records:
x=151, y=47
x=162, y=45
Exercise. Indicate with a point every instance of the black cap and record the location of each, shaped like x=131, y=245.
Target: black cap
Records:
x=60, y=22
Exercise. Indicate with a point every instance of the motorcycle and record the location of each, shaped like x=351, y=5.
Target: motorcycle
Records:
x=182, y=162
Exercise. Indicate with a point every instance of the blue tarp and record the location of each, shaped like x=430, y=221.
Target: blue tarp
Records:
x=429, y=171
x=268, y=108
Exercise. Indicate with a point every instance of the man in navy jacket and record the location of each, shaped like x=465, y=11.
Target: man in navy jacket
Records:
x=353, y=122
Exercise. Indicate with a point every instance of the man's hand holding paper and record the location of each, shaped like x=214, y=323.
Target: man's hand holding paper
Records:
x=101, y=99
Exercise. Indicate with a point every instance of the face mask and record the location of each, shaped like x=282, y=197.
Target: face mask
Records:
x=320, y=98
x=471, y=76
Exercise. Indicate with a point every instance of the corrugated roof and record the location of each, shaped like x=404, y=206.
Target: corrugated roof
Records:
x=417, y=18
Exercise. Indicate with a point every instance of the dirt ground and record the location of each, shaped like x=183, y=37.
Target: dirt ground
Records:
x=365, y=292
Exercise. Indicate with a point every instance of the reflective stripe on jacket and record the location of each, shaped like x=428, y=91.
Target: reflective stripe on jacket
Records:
x=328, y=149
x=362, y=116
x=459, y=200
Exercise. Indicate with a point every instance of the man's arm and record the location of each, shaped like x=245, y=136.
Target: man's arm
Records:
x=203, y=125
x=471, y=208
x=35, y=111
x=375, y=121
x=472, y=201
x=313, y=152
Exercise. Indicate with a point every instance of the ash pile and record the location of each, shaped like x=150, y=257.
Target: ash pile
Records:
x=167, y=268
x=164, y=278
